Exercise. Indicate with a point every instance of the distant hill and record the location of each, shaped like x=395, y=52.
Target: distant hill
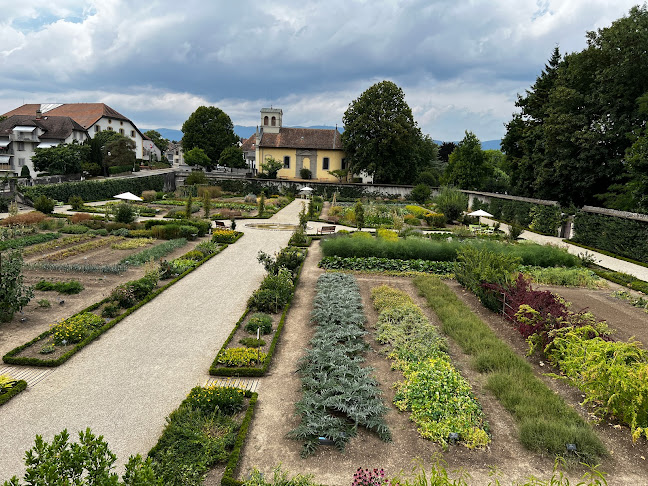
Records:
x=246, y=132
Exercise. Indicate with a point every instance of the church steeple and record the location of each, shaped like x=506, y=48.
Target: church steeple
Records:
x=271, y=120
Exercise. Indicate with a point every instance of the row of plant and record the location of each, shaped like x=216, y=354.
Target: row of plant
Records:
x=28, y=240
x=9, y=388
x=76, y=268
x=207, y=429
x=413, y=248
x=440, y=401
x=640, y=302
x=58, y=243
x=66, y=338
x=611, y=374
x=226, y=236
x=81, y=248
x=154, y=253
x=546, y=424
x=16, y=231
x=273, y=296
x=375, y=264
x=338, y=394
x=567, y=277
x=68, y=288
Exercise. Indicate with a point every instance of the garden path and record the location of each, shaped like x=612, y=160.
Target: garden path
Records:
x=603, y=260
x=129, y=380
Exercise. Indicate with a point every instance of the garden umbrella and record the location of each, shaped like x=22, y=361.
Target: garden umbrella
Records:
x=306, y=189
x=480, y=212
x=128, y=196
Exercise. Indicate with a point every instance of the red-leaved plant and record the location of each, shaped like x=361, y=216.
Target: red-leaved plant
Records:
x=369, y=477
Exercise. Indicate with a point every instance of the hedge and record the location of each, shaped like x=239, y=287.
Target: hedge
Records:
x=216, y=370
x=94, y=190
x=118, y=169
x=200, y=225
x=232, y=462
x=15, y=390
x=624, y=237
x=11, y=358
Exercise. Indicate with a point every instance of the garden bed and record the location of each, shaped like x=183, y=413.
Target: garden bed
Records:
x=14, y=390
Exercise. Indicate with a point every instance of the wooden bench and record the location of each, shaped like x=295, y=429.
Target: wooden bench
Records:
x=326, y=230
x=219, y=224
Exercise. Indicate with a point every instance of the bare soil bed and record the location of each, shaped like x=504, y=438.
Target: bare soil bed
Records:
x=267, y=445
x=34, y=320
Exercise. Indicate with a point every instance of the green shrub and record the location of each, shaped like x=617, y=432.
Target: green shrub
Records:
x=274, y=293
x=125, y=213
x=74, y=229
x=225, y=236
x=110, y=310
x=421, y=193
x=44, y=204
x=451, y=202
x=73, y=329
x=240, y=357
x=154, y=253
x=193, y=255
x=546, y=219
x=207, y=399
x=68, y=288
x=260, y=321
x=252, y=342
x=76, y=202
x=436, y=220
x=207, y=248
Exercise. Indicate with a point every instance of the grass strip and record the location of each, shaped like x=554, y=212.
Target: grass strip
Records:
x=75, y=267
x=28, y=240
x=154, y=253
x=546, y=423
x=11, y=358
x=217, y=370
x=19, y=386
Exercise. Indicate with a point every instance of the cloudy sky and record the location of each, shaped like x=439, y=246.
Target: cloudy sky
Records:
x=460, y=62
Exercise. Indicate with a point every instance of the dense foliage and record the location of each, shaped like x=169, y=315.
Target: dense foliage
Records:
x=14, y=295
x=210, y=129
x=339, y=395
x=386, y=264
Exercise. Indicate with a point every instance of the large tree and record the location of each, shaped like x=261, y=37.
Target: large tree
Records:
x=210, y=129
x=197, y=156
x=232, y=157
x=380, y=135
x=159, y=141
x=119, y=152
x=576, y=122
x=62, y=159
x=467, y=167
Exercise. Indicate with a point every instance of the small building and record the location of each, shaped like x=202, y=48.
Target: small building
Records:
x=174, y=154
x=21, y=135
x=150, y=151
x=315, y=149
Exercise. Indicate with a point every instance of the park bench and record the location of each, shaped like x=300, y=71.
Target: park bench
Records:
x=219, y=224
x=326, y=230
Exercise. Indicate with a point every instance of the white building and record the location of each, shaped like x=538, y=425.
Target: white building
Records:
x=20, y=135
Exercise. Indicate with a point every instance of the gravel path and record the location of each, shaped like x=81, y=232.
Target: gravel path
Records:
x=125, y=383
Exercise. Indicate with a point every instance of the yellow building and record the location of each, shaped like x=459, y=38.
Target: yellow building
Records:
x=318, y=150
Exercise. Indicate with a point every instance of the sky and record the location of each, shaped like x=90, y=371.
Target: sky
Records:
x=460, y=63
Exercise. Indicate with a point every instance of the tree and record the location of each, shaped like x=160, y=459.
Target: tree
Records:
x=119, y=152
x=445, y=150
x=62, y=159
x=210, y=129
x=341, y=174
x=359, y=211
x=467, y=168
x=159, y=141
x=96, y=163
x=380, y=135
x=421, y=193
x=451, y=202
x=86, y=463
x=232, y=157
x=270, y=167
x=197, y=156
x=14, y=295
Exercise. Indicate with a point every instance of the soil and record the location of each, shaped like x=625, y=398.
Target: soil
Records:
x=34, y=320
x=267, y=445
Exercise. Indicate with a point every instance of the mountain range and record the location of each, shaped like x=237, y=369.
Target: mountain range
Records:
x=246, y=132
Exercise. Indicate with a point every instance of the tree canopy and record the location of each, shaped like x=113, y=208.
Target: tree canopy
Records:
x=197, y=156
x=119, y=151
x=159, y=141
x=581, y=116
x=232, y=157
x=381, y=137
x=210, y=129
x=467, y=167
x=62, y=159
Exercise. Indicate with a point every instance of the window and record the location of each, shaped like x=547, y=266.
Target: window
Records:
x=286, y=162
x=97, y=128
x=344, y=164
x=121, y=131
x=265, y=120
x=21, y=162
x=274, y=121
x=109, y=121
x=121, y=122
x=21, y=146
x=110, y=129
x=133, y=133
x=325, y=163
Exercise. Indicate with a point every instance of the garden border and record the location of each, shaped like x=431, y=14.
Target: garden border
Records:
x=607, y=253
x=233, y=461
x=10, y=357
x=215, y=370
x=15, y=390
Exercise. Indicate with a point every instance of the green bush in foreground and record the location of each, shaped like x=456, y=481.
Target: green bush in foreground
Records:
x=545, y=422
x=67, y=288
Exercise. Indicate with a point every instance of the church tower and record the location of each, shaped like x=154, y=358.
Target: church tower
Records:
x=271, y=120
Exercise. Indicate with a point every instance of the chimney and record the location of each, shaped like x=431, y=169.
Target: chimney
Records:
x=39, y=114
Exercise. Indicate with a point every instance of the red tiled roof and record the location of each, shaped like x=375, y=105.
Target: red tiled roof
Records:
x=85, y=114
x=249, y=144
x=303, y=138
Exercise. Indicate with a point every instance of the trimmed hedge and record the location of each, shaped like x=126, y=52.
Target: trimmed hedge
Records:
x=233, y=462
x=217, y=370
x=15, y=390
x=200, y=225
x=94, y=190
x=625, y=237
x=11, y=358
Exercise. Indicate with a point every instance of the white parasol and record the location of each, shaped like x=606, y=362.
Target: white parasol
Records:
x=128, y=196
x=480, y=212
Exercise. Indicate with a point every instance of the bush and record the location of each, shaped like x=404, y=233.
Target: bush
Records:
x=289, y=258
x=80, y=218
x=545, y=219
x=110, y=310
x=421, y=193
x=240, y=357
x=125, y=213
x=44, y=204
x=225, y=236
x=67, y=288
x=252, y=342
x=451, y=202
x=74, y=229
x=305, y=173
x=149, y=196
x=436, y=220
x=33, y=217
x=196, y=177
x=260, y=321
x=195, y=255
x=13, y=294
x=76, y=202
x=73, y=329
x=274, y=293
